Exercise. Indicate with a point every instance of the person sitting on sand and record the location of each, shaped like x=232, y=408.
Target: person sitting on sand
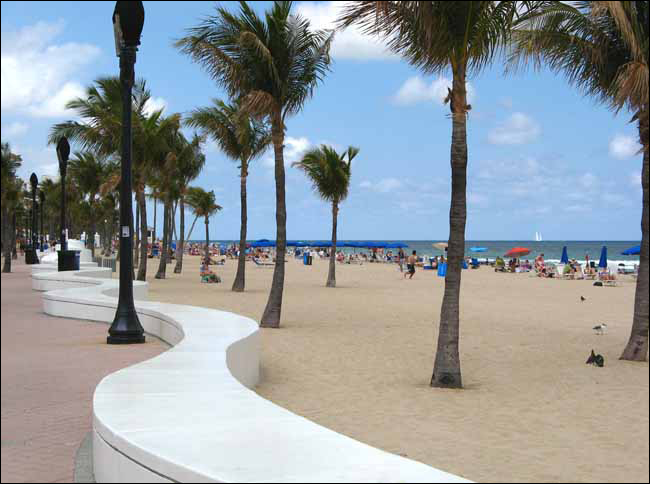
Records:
x=207, y=275
x=410, y=265
x=539, y=262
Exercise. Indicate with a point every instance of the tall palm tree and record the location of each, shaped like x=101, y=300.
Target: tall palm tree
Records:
x=204, y=204
x=191, y=161
x=88, y=171
x=602, y=48
x=329, y=173
x=462, y=37
x=273, y=65
x=11, y=190
x=242, y=139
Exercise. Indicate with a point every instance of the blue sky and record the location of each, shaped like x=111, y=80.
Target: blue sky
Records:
x=541, y=156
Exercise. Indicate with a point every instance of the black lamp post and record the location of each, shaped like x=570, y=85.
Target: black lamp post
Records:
x=128, y=20
x=63, y=153
x=31, y=256
x=41, y=196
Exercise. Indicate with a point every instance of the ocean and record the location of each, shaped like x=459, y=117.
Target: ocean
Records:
x=552, y=249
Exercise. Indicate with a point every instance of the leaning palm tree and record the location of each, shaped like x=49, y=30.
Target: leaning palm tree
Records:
x=329, y=173
x=242, y=139
x=204, y=205
x=462, y=37
x=273, y=65
x=602, y=48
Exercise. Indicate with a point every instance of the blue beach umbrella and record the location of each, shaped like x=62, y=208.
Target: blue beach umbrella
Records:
x=565, y=256
x=396, y=245
x=263, y=243
x=636, y=250
x=603, y=258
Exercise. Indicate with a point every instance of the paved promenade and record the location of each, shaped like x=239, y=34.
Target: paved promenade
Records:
x=50, y=367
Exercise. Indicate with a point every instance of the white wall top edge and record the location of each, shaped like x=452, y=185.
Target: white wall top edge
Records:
x=188, y=415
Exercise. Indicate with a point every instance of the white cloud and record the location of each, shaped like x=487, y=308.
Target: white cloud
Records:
x=294, y=148
x=635, y=179
x=349, y=43
x=155, y=104
x=518, y=129
x=416, y=90
x=36, y=72
x=14, y=129
x=384, y=185
x=622, y=147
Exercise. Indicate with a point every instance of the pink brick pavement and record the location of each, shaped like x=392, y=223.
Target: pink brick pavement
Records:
x=50, y=368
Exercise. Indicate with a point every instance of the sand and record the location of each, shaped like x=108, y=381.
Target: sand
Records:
x=358, y=359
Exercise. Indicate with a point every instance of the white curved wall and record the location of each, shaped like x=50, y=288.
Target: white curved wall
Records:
x=188, y=415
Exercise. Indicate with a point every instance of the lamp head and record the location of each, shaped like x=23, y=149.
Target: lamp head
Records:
x=63, y=152
x=33, y=181
x=128, y=20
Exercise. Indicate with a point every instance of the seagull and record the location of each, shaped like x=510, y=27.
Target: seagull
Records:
x=600, y=328
x=582, y=298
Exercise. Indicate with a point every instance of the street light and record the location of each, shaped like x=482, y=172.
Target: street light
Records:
x=41, y=196
x=31, y=256
x=128, y=20
x=68, y=259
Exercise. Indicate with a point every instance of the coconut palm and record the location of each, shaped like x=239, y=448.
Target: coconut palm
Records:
x=204, y=205
x=462, y=37
x=602, y=48
x=88, y=171
x=329, y=173
x=242, y=139
x=273, y=65
x=11, y=196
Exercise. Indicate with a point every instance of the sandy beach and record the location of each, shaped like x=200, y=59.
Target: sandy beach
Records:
x=358, y=359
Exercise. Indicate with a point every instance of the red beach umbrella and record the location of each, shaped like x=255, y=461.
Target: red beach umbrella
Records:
x=517, y=252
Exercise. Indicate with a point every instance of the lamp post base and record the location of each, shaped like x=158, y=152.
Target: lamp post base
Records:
x=125, y=330
x=69, y=260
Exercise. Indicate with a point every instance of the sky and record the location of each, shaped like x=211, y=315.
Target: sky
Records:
x=542, y=157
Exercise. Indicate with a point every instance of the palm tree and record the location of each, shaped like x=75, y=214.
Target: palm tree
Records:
x=204, y=205
x=601, y=47
x=330, y=176
x=88, y=171
x=437, y=36
x=11, y=195
x=242, y=139
x=273, y=66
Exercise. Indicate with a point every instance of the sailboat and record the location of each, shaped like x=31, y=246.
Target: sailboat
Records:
x=538, y=237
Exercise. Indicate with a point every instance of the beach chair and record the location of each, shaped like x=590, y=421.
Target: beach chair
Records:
x=260, y=263
x=475, y=263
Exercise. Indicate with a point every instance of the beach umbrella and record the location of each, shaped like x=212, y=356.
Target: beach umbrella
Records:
x=565, y=256
x=478, y=249
x=441, y=245
x=636, y=250
x=517, y=252
x=263, y=243
x=603, y=258
x=396, y=245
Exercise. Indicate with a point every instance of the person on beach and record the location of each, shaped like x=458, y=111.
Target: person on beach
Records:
x=410, y=265
x=400, y=259
x=539, y=262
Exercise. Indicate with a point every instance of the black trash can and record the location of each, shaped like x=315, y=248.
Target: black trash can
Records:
x=69, y=260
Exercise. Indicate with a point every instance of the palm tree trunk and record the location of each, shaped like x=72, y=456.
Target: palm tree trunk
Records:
x=142, y=268
x=155, y=216
x=6, y=241
x=207, y=239
x=136, y=251
x=240, y=278
x=14, y=235
x=331, y=276
x=637, y=346
x=170, y=232
x=162, y=267
x=273, y=310
x=189, y=234
x=180, y=248
x=446, y=370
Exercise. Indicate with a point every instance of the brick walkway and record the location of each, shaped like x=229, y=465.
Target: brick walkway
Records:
x=50, y=368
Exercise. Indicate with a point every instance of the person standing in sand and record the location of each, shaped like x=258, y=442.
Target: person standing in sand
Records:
x=400, y=259
x=410, y=265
